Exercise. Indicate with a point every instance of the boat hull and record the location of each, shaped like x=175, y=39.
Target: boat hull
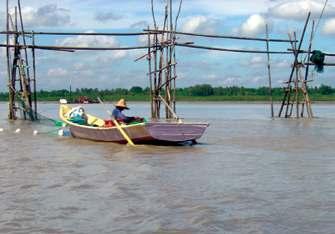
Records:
x=146, y=133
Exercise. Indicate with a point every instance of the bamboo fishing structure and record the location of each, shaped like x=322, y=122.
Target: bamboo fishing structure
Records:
x=296, y=91
x=162, y=71
x=160, y=53
x=295, y=80
x=18, y=71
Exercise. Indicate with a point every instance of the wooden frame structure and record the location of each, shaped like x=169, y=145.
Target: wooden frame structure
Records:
x=19, y=70
x=161, y=56
x=297, y=83
x=296, y=91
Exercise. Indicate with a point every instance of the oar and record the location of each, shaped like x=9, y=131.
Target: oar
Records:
x=118, y=126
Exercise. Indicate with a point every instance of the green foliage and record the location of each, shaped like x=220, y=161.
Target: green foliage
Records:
x=204, y=92
x=201, y=90
x=136, y=90
x=326, y=90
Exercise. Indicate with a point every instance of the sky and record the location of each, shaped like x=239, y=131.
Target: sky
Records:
x=117, y=69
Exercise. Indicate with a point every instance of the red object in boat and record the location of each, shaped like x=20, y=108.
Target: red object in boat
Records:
x=109, y=123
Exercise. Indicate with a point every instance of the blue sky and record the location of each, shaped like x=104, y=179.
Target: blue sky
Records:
x=102, y=70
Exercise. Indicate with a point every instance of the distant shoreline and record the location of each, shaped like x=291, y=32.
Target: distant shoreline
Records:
x=196, y=101
x=197, y=93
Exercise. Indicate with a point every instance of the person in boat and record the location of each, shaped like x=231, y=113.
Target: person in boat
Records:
x=77, y=115
x=120, y=106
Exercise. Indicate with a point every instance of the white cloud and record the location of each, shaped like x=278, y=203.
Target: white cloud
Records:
x=46, y=16
x=279, y=64
x=111, y=56
x=298, y=9
x=140, y=24
x=258, y=80
x=107, y=16
x=228, y=7
x=57, y=72
x=89, y=41
x=329, y=27
x=232, y=81
x=3, y=50
x=200, y=23
x=257, y=61
x=254, y=25
x=143, y=39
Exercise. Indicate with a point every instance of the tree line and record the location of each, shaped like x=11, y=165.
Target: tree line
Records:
x=203, y=92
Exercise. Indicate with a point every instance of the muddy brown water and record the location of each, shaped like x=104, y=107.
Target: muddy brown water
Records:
x=249, y=174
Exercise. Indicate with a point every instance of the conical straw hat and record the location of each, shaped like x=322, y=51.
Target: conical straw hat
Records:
x=121, y=103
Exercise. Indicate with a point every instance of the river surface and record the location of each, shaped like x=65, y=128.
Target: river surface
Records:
x=249, y=174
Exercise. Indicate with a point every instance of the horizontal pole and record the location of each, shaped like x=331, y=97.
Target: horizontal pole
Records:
x=306, y=52
x=163, y=68
x=76, y=33
x=169, y=80
x=232, y=50
x=218, y=36
x=74, y=48
x=325, y=64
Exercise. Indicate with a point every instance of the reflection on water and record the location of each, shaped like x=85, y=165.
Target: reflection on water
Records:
x=249, y=174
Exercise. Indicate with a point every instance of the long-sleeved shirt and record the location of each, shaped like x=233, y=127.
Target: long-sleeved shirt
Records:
x=119, y=116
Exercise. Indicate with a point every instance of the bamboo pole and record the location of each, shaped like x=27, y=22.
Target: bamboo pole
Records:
x=174, y=56
x=170, y=79
x=154, y=114
x=11, y=113
x=289, y=104
x=75, y=48
x=161, y=64
x=296, y=87
x=34, y=77
x=296, y=98
x=269, y=70
x=169, y=62
x=170, y=109
x=232, y=50
x=219, y=36
x=79, y=33
x=307, y=100
x=325, y=64
x=306, y=52
x=163, y=68
x=23, y=37
x=16, y=55
x=300, y=43
x=25, y=65
x=153, y=14
x=150, y=73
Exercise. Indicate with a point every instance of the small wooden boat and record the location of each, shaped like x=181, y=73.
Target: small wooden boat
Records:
x=151, y=132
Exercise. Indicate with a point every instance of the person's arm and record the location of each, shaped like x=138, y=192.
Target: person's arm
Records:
x=118, y=115
x=128, y=119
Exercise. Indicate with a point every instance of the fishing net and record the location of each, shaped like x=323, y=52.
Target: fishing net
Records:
x=318, y=58
x=44, y=119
